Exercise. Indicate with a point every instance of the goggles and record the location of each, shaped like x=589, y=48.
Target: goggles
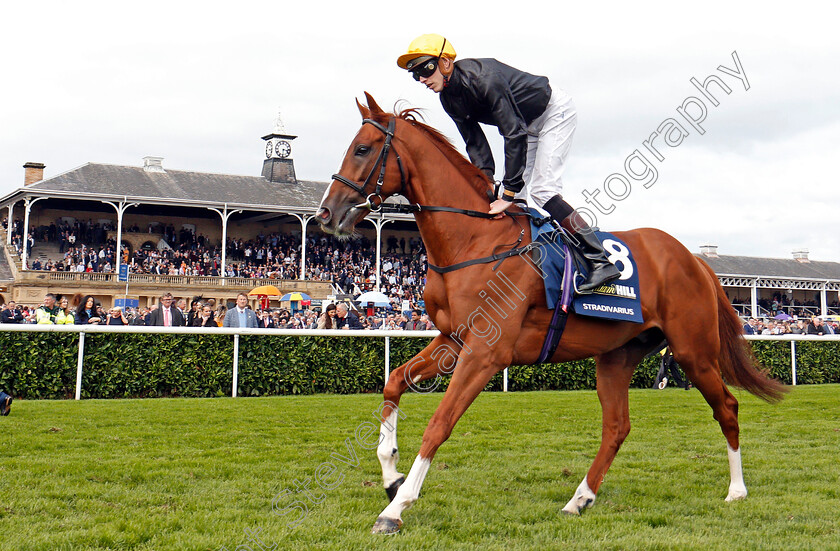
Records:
x=425, y=69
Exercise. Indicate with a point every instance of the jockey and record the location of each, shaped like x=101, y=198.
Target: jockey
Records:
x=537, y=124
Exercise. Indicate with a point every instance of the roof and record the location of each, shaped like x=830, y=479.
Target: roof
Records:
x=197, y=187
x=772, y=267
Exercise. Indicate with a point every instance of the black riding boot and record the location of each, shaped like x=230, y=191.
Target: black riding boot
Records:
x=601, y=270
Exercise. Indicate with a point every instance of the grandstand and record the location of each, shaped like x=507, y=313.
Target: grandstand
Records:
x=765, y=287
x=151, y=212
x=196, y=233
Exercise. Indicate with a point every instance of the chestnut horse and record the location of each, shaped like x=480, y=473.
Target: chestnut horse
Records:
x=491, y=316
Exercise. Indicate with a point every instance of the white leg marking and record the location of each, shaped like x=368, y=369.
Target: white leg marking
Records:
x=409, y=491
x=387, y=450
x=584, y=498
x=737, y=489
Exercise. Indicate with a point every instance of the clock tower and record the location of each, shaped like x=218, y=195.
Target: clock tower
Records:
x=278, y=165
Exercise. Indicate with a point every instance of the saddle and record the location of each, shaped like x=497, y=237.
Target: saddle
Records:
x=561, y=266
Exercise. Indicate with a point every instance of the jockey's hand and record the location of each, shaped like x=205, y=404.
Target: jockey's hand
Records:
x=498, y=207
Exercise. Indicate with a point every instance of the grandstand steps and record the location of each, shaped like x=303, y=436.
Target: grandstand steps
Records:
x=46, y=252
x=6, y=273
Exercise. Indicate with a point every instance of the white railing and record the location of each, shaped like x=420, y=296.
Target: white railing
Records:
x=793, y=340
x=235, y=331
x=378, y=333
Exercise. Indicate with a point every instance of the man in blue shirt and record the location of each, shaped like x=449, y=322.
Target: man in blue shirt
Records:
x=241, y=316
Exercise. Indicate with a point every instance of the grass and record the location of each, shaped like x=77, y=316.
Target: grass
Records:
x=196, y=473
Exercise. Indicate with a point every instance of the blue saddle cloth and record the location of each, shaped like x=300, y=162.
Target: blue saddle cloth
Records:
x=618, y=300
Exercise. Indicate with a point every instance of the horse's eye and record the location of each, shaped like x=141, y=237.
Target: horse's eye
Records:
x=362, y=150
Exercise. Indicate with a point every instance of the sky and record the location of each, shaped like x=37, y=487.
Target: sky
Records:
x=198, y=83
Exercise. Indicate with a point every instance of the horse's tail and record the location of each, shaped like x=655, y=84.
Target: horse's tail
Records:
x=738, y=364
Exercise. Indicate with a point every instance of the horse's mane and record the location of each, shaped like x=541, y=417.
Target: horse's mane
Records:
x=473, y=174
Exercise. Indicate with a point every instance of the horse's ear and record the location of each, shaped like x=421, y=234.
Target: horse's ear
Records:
x=374, y=108
x=363, y=110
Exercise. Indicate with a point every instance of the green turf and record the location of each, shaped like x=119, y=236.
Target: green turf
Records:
x=196, y=473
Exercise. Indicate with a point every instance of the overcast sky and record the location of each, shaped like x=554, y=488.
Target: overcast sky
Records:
x=198, y=83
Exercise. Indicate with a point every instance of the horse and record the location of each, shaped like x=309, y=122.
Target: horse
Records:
x=482, y=332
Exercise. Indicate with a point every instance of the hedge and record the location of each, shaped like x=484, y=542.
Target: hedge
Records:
x=132, y=365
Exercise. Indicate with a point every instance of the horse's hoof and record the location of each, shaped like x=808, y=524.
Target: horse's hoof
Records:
x=386, y=526
x=392, y=489
x=736, y=495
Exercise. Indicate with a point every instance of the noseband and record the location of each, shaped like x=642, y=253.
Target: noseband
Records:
x=381, y=162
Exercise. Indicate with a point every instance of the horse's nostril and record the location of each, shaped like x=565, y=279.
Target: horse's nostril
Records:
x=324, y=214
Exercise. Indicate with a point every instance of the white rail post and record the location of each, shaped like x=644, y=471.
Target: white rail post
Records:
x=79, y=365
x=387, y=358
x=235, y=365
x=793, y=362
x=505, y=381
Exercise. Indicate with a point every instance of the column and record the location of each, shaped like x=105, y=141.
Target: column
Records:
x=378, y=223
x=225, y=214
x=120, y=207
x=28, y=202
x=304, y=221
x=754, y=298
x=9, y=224
x=823, y=300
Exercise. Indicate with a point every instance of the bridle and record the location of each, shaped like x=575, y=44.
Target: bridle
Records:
x=381, y=162
x=411, y=208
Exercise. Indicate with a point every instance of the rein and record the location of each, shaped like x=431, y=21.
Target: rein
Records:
x=412, y=208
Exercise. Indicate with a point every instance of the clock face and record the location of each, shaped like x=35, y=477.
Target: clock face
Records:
x=283, y=149
x=268, y=149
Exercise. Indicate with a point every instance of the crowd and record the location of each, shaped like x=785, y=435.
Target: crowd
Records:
x=169, y=312
x=814, y=326
x=350, y=265
x=782, y=303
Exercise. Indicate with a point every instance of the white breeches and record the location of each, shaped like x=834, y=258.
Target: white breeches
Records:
x=549, y=142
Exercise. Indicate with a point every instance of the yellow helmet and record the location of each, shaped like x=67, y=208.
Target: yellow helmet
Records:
x=427, y=45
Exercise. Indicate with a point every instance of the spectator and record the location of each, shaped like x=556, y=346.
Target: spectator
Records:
x=241, y=316
x=220, y=314
x=196, y=307
x=12, y=313
x=415, y=324
x=749, y=327
x=116, y=317
x=147, y=319
x=139, y=317
x=425, y=319
x=771, y=329
x=46, y=313
x=327, y=319
x=815, y=327
x=166, y=315
x=264, y=320
x=65, y=313
x=346, y=318
x=205, y=318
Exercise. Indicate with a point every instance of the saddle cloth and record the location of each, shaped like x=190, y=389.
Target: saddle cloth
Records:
x=618, y=300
